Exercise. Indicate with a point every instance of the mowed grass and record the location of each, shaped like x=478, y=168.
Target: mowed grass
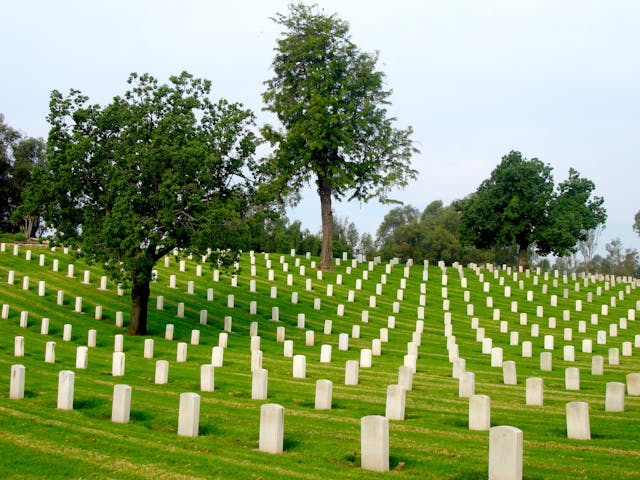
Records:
x=433, y=441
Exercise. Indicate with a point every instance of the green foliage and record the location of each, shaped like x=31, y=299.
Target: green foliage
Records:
x=619, y=260
x=20, y=157
x=330, y=100
x=517, y=205
x=636, y=224
x=430, y=235
x=269, y=231
x=158, y=168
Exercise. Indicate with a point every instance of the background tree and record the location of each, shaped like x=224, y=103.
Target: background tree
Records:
x=620, y=260
x=588, y=246
x=330, y=100
x=158, y=168
x=636, y=223
x=397, y=232
x=430, y=235
x=8, y=138
x=19, y=157
x=345, y=235
x=517, y=205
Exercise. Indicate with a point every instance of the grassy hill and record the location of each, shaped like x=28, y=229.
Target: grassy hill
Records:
x=433, y=441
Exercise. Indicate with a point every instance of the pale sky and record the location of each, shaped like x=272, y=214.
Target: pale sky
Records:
x=556, y=80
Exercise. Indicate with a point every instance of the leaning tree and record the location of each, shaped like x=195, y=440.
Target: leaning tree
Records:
x=518, y=205
x=160, y=167
x=331, y=99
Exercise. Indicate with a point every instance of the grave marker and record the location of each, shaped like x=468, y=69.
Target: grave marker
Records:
x=535, y=391
x=505, y=453
x=271, y=439
x=572, y=378
x=189, y=414
x=351, y=372
x=324, y=392
x=578, y=426
x=121, y=403
x=118, y=364
x=374, y=443
x=16, y=387
x=82, y=357
x=66, y=379
x=259, y=384
x=614, y=397
x=479, y=412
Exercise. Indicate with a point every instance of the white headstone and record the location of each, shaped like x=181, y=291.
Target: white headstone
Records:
x=572, y=378
x=479, y=412
x=578, y=425
x=374, y=443
x=118, y=364
x=121, y=403
x=505, y=453
x=189, y=414
x=509, y=373
x=324, y=394
x=351, y=372
x=217, y=356
x=259, y=384
x=614, y=397
x=16, y=386
x=299, y=366
x=50, y=352
x=535, y=391
x=396, y=401
x=66, y=380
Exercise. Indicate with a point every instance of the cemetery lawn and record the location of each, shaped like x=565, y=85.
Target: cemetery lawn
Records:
x=38, y=440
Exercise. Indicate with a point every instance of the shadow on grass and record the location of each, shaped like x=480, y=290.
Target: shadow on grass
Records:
x=306, y=404
x=470, y=475
x=89, y=403
x=353, y=459
x=289, y=443
x=458, y=422
x=30, y=394
x=207, y=429
x=140, y=416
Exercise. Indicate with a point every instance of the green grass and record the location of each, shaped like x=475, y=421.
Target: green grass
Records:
x=433, y=441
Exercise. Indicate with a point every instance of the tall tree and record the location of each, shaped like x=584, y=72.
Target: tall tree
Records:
x=330, y=100
x=636, y=223
x=158, y=168
x=518, y=205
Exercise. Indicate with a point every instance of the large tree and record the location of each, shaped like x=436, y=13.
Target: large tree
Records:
x=636, y=223
x=158, y=168
x=330, y=100
x=518, y=205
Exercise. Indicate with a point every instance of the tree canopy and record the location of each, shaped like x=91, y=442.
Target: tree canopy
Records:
x=518, y=205
x=160, y=167
x=330, y=100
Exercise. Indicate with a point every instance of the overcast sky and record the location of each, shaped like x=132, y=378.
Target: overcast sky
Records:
x=556, y=80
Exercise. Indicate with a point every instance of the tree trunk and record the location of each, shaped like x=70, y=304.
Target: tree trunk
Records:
x=28, y=227
x=140, y=293
x=523, y=257
x=326, y=255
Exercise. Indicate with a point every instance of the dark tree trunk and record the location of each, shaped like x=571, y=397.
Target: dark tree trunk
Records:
x=523, y=257
x=140, y=293
x=326, y=255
